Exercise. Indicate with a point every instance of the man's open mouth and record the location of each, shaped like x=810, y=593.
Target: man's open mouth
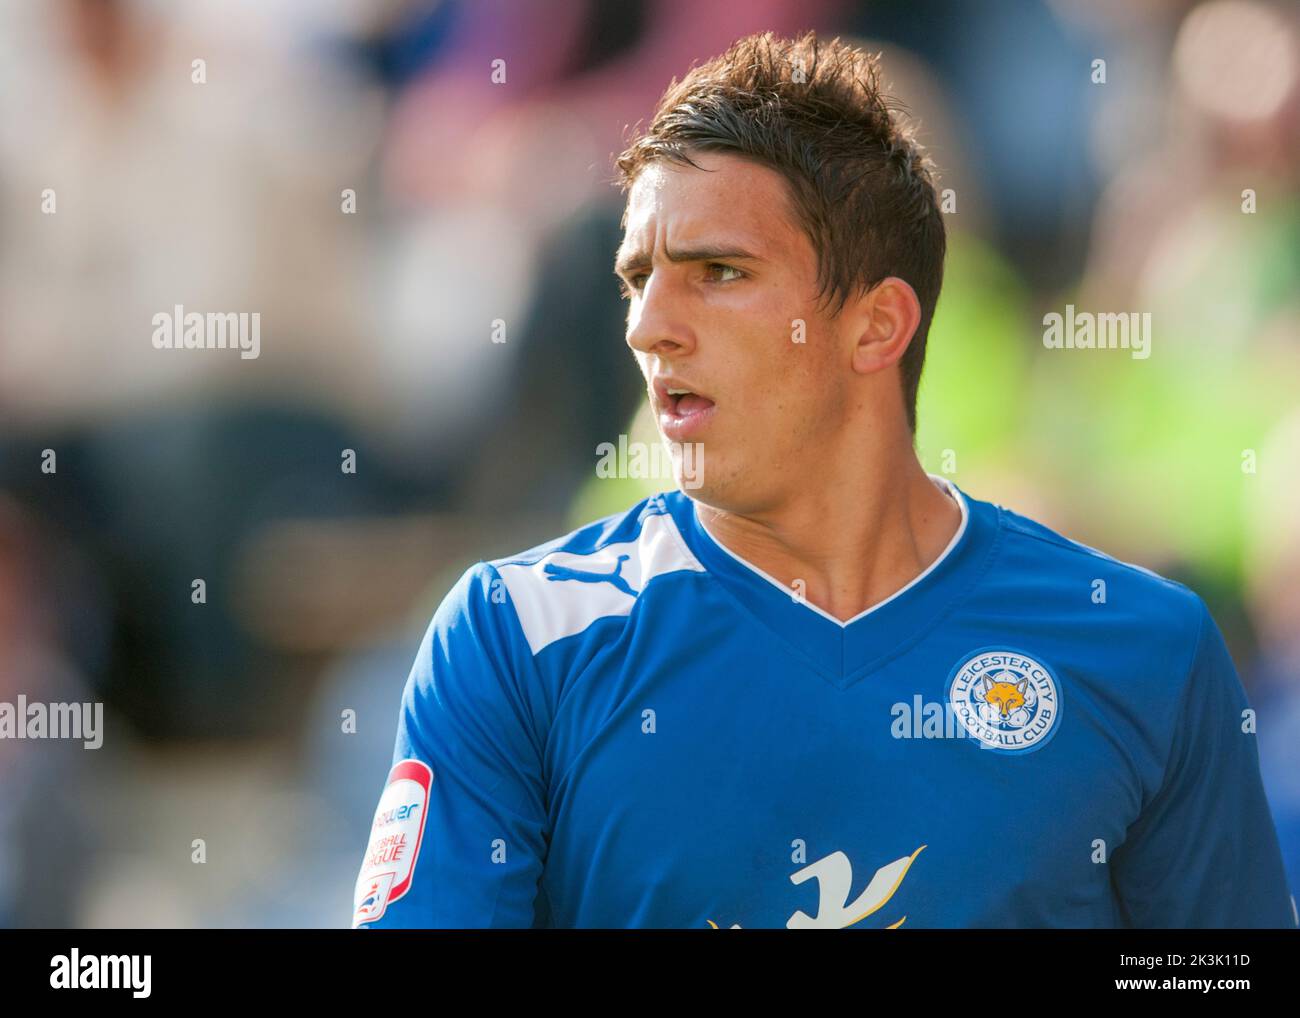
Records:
x=677, y=397
x=682, y=402
x=684, y=413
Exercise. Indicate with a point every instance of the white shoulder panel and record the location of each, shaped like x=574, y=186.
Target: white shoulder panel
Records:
x=563, y=593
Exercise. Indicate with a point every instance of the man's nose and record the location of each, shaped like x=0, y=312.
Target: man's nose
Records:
x=657, y=322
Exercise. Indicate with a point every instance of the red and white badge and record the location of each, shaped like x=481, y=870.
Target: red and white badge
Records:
x=395, y=839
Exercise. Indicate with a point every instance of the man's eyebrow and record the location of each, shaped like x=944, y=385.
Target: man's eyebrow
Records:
x=632, y=261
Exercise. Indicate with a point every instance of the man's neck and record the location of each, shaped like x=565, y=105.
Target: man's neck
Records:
x=851, y=548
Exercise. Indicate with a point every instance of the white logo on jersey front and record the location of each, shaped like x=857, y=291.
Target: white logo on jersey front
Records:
x=1008, y=701
x=834, y=876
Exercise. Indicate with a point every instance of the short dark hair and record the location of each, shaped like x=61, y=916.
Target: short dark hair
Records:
x=861, y=185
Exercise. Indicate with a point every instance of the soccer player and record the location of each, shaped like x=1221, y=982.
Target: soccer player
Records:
x=826, y=689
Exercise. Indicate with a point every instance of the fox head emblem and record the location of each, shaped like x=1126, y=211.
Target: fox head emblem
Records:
x=1004, y=693
x=1010, y=702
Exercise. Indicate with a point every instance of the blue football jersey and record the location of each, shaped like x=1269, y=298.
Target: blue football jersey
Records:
x=631, y=726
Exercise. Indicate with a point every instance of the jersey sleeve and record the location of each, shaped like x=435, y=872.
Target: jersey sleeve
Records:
x=459, y=836
x=1204, y=851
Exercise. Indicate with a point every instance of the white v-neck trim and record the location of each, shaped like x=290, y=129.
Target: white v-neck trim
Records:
x=956, y=538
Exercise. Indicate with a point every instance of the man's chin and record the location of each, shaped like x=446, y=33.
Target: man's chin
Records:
x=688, y=460
x=731, y=492
x=704, y=489
x=691, y=484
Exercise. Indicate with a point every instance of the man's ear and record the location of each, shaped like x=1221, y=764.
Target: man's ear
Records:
x=886, y=319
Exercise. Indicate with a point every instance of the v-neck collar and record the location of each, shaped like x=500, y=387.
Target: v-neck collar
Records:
x=844, y=652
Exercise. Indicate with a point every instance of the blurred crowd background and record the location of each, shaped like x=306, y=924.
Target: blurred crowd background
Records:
x=481, y=201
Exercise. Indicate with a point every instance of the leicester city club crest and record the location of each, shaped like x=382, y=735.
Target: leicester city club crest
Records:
x=1007, y=700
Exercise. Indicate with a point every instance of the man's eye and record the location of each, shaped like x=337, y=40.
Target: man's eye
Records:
x=630, y=287
x=714, y=267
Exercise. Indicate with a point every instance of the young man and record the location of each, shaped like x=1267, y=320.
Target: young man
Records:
x=827, y=689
